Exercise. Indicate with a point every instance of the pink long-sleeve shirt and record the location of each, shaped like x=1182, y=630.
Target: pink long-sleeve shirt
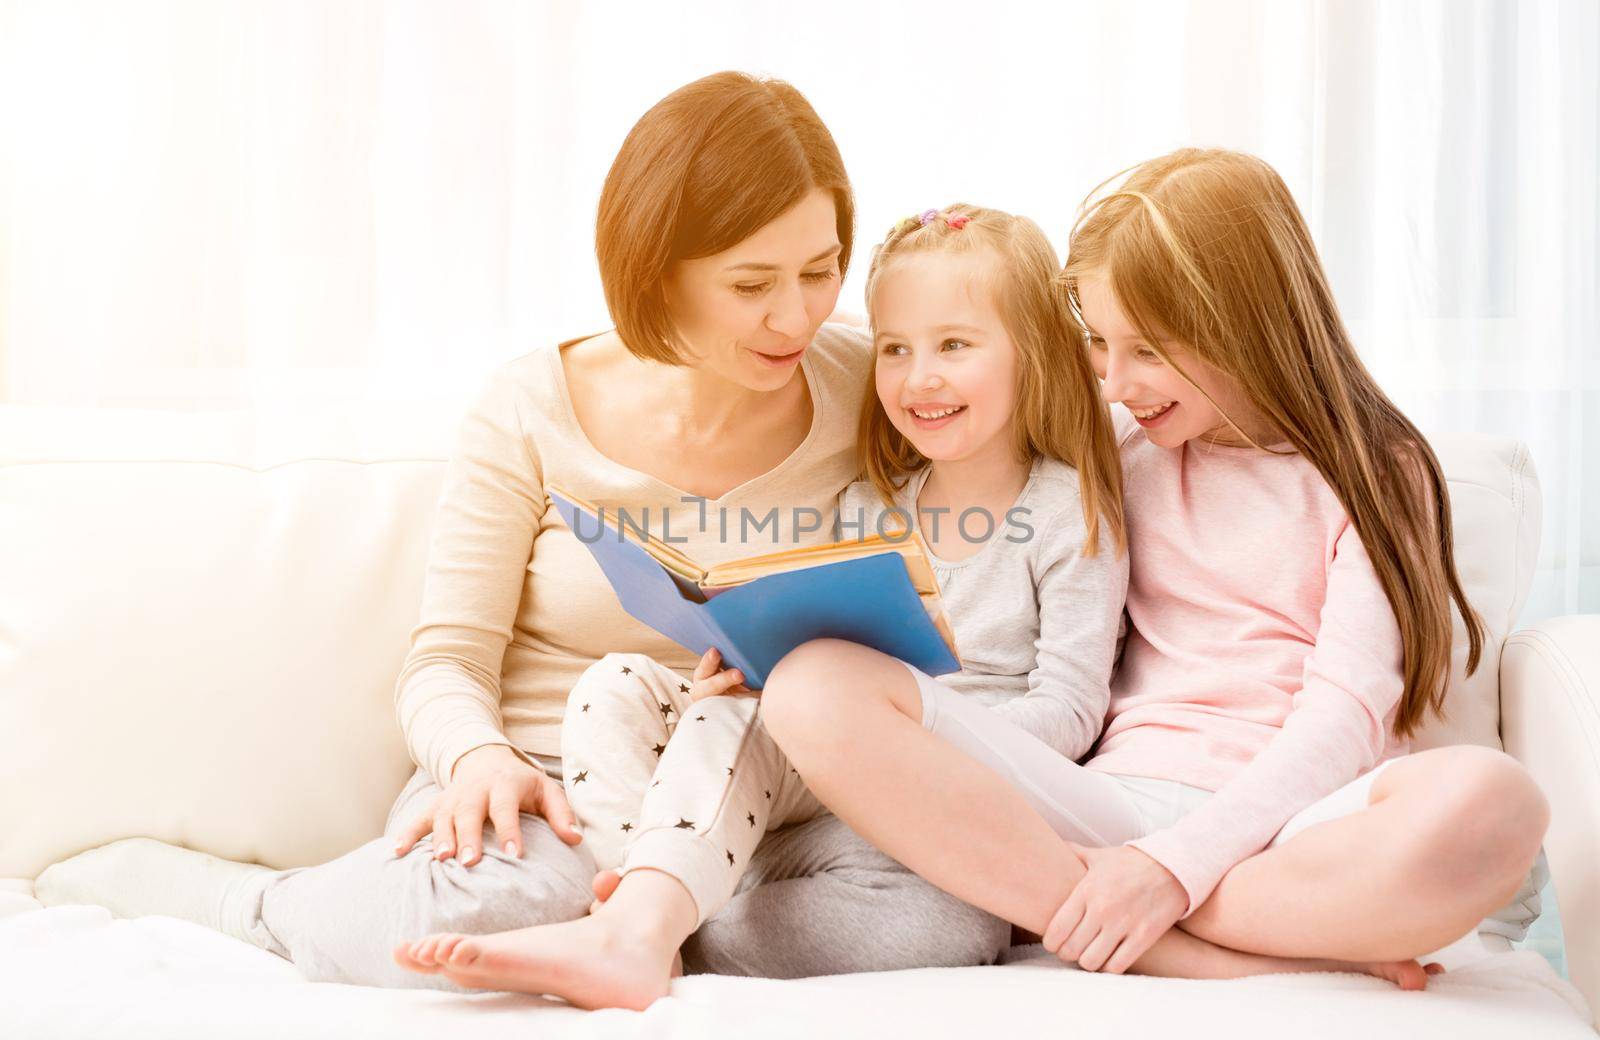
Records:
x=1263, y=661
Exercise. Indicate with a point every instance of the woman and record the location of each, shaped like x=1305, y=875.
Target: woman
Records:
x=724, y=231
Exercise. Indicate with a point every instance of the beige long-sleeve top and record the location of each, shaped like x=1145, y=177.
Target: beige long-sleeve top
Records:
x=514, y=607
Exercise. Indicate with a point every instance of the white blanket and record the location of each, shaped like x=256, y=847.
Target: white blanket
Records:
x=74, y=972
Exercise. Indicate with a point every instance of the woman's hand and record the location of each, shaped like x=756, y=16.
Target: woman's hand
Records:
x=1121, y=907
x=490, y=782
x=712, y=680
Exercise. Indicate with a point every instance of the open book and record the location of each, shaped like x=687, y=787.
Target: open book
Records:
x=879, y=592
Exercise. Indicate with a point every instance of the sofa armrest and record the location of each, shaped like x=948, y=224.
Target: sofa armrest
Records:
x=1550, y=720
x=16, y=896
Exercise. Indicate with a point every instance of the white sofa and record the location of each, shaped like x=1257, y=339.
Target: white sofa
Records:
x=201, y=619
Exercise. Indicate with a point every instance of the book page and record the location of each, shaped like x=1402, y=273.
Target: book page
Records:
x=662, y=552
x=737, y=572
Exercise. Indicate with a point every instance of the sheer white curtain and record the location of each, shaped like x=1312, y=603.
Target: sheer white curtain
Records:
x=210, y=204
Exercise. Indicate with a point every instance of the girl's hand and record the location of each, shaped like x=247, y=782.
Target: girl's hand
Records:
x=711, y=680
x=490, y=782
x=1121, y=907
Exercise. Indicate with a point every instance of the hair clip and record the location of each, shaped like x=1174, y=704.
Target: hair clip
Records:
x=926, y=217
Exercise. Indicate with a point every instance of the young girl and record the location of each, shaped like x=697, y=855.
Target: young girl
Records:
x=1290, y=599
x=987, y=429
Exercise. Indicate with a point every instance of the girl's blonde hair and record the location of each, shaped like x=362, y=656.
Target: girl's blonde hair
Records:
x=1208, y=247
x=1059, y=413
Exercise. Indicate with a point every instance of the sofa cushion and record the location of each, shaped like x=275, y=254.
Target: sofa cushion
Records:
x=1495, y=507
x=201, y=621
x=157, y=977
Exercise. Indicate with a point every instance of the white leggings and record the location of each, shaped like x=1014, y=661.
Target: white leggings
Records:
x=1094, y=808
x=1084, y=805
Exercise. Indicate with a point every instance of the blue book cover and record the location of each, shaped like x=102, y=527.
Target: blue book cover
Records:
x=869, y=599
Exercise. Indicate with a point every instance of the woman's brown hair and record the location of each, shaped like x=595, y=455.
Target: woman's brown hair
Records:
x=1209, y=248
x=1059, y=413
x=708, y=166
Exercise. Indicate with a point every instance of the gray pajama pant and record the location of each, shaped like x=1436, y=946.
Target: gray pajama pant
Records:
x=815, y=900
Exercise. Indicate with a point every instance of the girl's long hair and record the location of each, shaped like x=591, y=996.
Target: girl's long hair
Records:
x=1209, y=248
x=1059, y=413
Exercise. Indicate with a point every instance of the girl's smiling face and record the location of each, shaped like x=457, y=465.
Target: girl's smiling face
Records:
x=946, y=370
x=1171, y=409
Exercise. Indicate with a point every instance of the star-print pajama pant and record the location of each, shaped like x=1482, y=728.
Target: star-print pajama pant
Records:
x=685, y=787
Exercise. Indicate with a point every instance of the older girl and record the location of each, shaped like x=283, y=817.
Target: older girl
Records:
x=1291, y=596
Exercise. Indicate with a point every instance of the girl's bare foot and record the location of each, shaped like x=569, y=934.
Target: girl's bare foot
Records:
x=587, y=962
x=1405, y=974
x=622, y=956
x=1181, y=955
x=605, y=883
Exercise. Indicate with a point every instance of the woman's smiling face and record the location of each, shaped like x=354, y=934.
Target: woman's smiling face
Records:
x=946, y=368
x=749, y=312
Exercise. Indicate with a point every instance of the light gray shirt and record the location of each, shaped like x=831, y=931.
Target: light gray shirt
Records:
x=1038, y=623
